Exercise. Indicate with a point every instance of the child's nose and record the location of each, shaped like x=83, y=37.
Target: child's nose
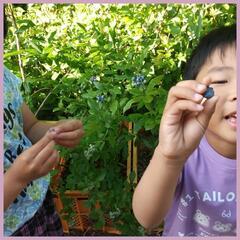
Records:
x=233, y=92
x=233, y=96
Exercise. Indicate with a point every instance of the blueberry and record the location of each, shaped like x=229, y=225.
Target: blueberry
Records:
x=100, y=98
x=209, y=93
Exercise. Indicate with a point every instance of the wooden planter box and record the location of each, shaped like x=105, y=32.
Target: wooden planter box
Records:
x=80, y=220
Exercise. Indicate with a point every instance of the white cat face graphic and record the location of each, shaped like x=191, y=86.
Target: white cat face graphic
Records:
x=201, y=219
x=220, y=227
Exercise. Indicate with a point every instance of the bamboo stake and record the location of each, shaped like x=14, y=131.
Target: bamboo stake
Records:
x=134, y=162
x=129, y=159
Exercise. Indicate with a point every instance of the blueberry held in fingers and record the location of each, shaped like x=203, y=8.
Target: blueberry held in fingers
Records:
x=208, y=93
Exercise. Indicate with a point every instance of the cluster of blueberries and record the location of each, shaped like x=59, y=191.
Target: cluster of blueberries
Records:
x=138, y=80
x=100, y=98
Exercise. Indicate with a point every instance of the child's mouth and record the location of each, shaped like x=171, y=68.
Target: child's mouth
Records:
x=232, y=119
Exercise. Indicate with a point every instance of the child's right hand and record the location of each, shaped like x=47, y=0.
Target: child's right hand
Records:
x=184, y=120
x=37, y=161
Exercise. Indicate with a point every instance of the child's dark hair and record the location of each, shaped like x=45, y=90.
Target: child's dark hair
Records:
x=217, y=39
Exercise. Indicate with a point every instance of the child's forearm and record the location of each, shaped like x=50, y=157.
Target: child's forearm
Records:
x=33, y=128
x=155, y=191
x=12, y=188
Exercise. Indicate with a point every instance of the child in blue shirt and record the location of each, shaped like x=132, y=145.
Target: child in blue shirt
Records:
x=29, y=156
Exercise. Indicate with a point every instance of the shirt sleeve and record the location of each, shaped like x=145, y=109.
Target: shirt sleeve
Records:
x=15, y=84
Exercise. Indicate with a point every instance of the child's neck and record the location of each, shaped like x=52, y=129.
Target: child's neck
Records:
x=226, y=149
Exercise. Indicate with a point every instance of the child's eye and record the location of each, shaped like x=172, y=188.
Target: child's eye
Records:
x=219, y=82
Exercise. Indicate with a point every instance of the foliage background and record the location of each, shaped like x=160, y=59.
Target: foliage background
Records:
x=106, y=64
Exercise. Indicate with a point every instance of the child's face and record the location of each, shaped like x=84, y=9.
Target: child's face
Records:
x=221, y=132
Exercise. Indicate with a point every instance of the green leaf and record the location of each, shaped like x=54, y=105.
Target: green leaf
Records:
x=55, y=75
x=22, y=29
x=28, y=22
x=114, y=107
x=13, y=53
x=128, y=105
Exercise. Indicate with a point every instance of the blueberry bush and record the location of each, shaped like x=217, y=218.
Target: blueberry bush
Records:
x=105, y=64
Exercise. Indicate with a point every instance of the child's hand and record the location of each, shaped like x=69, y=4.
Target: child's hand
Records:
x=185, y=120
x=35, y=162
x=68, y=133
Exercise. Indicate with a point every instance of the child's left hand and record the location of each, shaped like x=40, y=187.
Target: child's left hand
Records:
x=68, y=132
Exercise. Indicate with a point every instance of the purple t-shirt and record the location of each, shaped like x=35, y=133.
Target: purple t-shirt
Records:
x=205, y=198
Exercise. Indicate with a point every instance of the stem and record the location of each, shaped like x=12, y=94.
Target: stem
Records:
x=45, y=99
x=18, y=47
x=39, y=90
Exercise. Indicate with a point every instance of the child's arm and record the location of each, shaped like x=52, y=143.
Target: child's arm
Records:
x=39, y=159
x=182, y=126
x=33, y=163
x=69, y=131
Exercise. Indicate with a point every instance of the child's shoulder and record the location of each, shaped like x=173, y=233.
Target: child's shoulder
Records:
x=10, y=78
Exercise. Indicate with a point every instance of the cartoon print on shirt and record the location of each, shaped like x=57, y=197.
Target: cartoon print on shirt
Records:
x=220, y=227
x=180, y=234
x=226, y=214
x=201, y=219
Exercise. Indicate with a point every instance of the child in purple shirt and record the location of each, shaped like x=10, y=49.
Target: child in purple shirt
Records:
x=190, y=183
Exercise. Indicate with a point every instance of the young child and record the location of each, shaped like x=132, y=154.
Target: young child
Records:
x=28, y=203
x=190, y=182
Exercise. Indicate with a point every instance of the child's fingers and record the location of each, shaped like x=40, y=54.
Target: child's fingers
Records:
x=186, y=93
x=70, y=135
x=206, y=80
x=197, y=87
x=184, y=105
x=68, y=126
x=194, y=85
x=209, y=108
x=68, y=143
x=42, y=143
x=50, y=162
x=180, y=92
x=44, y=154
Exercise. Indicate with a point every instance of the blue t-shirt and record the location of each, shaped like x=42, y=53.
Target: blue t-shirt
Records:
x=15, y=142
x=205, y=198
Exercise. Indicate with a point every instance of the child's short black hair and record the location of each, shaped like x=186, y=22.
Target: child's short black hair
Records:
x=217, y=39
